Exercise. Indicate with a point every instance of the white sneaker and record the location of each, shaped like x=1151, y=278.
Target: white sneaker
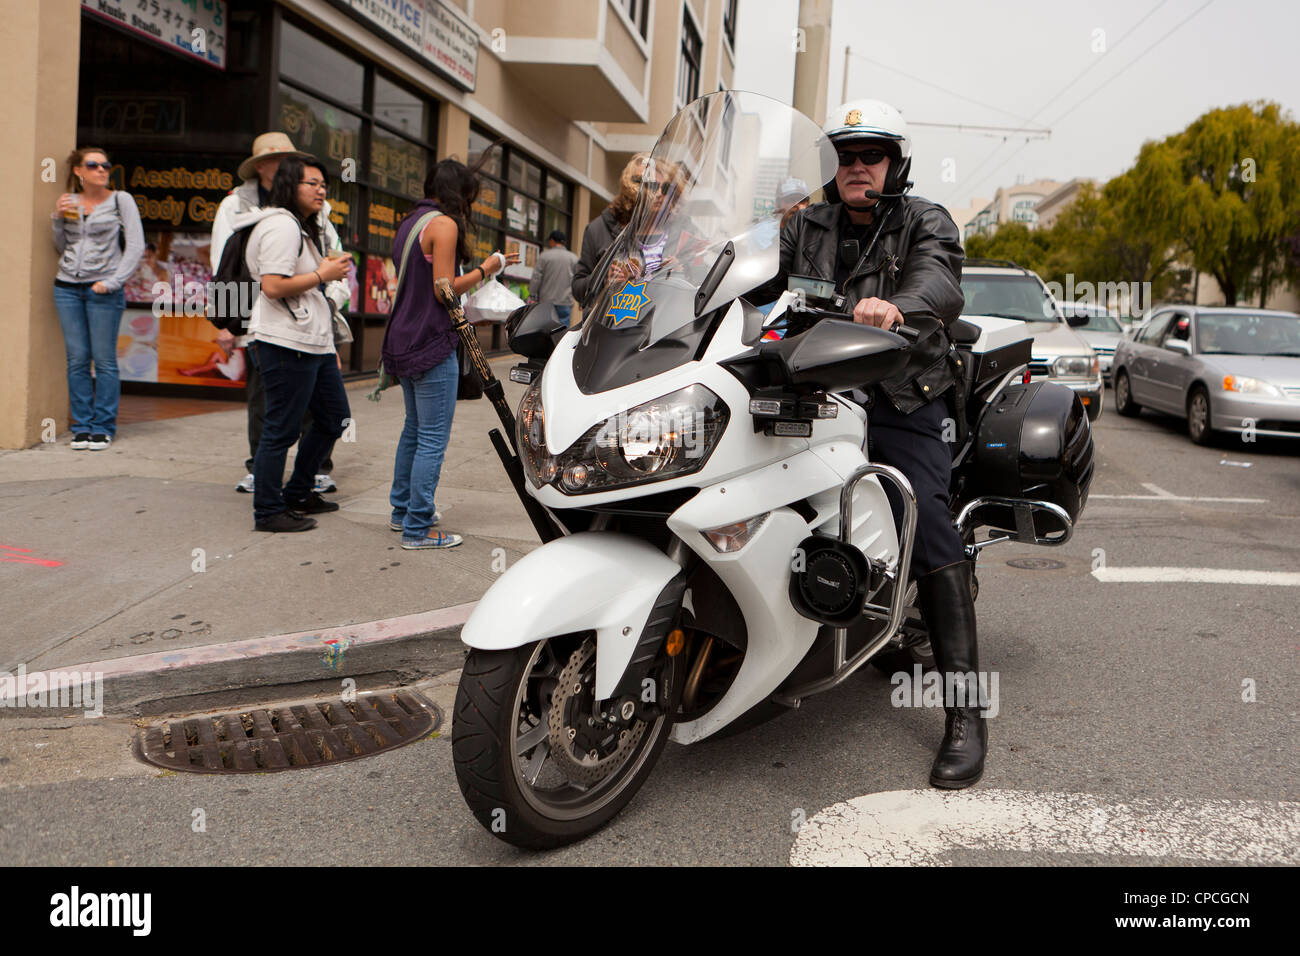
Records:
x=324, y=484
x=245, y=486
x=99, y=442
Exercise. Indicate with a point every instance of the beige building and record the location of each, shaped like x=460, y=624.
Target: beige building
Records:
x=1016, y=203
x=1051, y=205
x=553, y=96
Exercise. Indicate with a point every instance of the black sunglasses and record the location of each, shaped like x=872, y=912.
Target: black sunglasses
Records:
x=94, y=165
x=869, y=157
x=663, y=187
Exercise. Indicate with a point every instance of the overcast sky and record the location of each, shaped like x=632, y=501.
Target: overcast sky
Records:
x=1014, y=58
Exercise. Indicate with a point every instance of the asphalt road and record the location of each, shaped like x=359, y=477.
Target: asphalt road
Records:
x=1142, y=700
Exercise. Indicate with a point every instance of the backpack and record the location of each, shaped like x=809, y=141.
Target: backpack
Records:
x=234, y=290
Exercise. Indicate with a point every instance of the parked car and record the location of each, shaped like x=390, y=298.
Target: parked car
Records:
x=1222, y=368
x=1102, y=330
x=1001, y=289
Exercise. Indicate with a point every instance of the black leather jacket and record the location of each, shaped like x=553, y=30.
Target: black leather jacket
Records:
x=916, y=265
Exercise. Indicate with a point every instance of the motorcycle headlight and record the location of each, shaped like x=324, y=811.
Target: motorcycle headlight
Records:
x=665, y=438
x=1075, y=365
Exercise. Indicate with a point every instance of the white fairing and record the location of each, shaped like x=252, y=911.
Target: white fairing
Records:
x=590, y=581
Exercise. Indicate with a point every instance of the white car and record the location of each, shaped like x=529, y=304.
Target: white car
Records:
x=998, y=288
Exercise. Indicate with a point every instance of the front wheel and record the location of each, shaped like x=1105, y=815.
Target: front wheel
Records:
x=1124, y=403
x=536, y=761
x=1198, y=417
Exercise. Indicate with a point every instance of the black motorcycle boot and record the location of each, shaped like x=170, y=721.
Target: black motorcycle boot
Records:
x=945, y=601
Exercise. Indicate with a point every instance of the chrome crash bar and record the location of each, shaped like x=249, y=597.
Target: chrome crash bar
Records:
x=893, y=614
x=1024, y=509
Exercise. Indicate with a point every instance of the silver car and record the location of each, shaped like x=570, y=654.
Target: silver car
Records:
x=1223, y=369
x=1103, y=331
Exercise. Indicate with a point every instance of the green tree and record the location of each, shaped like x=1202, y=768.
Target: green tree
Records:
x=1015, y=241
x=1241, y=198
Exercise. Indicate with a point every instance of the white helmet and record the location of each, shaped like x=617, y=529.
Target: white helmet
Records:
x=872, y=120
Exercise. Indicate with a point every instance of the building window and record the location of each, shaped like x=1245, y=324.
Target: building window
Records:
x=729, y=22
x=688, y=70
x=372, y=134
x=520, y=202
x=1023, y=211
x=638, y=11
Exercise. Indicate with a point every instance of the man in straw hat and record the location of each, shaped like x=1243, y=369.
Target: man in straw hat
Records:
x=257, y=171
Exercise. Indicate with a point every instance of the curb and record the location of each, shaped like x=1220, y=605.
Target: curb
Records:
x=401, y=649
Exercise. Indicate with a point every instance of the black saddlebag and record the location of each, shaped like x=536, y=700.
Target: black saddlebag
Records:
x=1032, y=443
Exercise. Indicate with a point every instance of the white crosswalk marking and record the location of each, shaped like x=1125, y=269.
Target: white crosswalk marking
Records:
x=1196, y=576
x=923, y=827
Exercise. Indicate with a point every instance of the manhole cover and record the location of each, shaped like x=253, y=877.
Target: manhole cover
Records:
x=1036, y=564
x=289, y=737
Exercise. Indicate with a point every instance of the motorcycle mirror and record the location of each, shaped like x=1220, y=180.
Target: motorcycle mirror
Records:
x=533, y=330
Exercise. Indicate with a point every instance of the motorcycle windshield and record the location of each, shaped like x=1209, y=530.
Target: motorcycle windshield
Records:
x=705, y=229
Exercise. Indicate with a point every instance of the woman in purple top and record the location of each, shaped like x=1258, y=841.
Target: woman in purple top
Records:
x=420, y=346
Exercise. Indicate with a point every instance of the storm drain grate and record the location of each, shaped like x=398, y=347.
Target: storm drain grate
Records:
x=289, y=737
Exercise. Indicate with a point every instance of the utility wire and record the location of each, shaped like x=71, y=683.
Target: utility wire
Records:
x=1056, y=96
x=1098, y=89
x=960, y=96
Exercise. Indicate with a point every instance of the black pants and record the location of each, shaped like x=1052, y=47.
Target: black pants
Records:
x=294, y=382
x=915, y=445
x=257, y=412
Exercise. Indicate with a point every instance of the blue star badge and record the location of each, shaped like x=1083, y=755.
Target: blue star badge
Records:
x=626, y=305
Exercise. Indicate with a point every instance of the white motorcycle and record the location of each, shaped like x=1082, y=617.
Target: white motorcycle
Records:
x=717, y=546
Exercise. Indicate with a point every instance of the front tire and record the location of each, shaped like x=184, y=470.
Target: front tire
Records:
x=1124, y=403
x=1198, y=417
x=500, y=748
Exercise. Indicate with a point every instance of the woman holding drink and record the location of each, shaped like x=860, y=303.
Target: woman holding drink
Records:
x=98, y=235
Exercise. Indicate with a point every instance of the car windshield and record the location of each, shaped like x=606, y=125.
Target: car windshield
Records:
x=1099, y=322
x=1247, y=333
x=709, y=197
x=1008, y=297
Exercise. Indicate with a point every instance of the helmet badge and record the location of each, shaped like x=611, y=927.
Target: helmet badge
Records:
x=854, y=118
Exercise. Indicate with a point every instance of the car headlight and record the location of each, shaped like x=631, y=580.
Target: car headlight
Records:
x=1076, y=365
x=1242, y=383
x=667, y=437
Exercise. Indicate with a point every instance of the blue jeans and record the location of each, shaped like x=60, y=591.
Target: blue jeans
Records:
x=295, y=382
x=430, y=405
x=563, y=312
x=90, y=322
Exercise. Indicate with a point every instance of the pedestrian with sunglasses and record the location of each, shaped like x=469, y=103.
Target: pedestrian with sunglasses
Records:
x=292, y=327
x=98, y=235
x=602, y=231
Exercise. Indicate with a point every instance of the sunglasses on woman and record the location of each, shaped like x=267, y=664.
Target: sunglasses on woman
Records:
x=663, y=187
x=869, y=157
x=94, y=165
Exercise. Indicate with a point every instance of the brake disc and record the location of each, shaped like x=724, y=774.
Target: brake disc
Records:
x=571, y=706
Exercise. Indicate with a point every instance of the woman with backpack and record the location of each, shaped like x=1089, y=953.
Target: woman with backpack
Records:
x=292, y=334
x=420, y=346
x=98, y=235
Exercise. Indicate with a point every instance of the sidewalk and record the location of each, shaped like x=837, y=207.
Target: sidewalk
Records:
x=147, y=549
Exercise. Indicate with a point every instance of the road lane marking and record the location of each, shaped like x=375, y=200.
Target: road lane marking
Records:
x=924, y=827
x=1153, y=575
x=1169, y=497
x=1157, y=490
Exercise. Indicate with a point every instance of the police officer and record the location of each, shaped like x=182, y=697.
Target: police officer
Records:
x=888, y=254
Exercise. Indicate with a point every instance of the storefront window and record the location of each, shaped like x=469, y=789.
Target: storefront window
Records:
x=310, y=62
x=525, y=175
x=386, y=211
x=320, y=129
x=396, y=164
x=395, y=107
x=478, y=145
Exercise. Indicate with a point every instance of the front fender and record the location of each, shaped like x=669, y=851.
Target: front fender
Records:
x=598, y=581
